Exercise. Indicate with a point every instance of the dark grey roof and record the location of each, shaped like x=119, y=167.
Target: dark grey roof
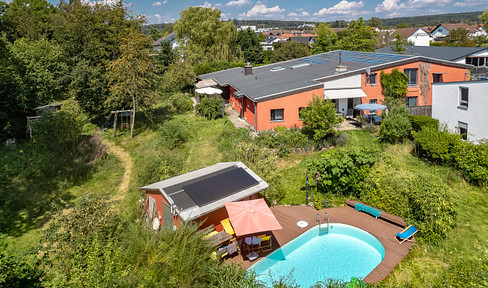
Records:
x=169, y=37
x=202, y=191
x=439, y=52
x=303, y=39
x=264, y=83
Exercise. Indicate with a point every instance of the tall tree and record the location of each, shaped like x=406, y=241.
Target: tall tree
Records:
x=398, y=45
x=394, y=86
x=129, y=76
x=205, y=37
x=90, y=36
x=28, y=18
x=289, y=50
x=484, y=18
x=459, y=37
x=359, y=37
x=261, y=37
x=326, y=40
x=375, y=22
x=249, y=43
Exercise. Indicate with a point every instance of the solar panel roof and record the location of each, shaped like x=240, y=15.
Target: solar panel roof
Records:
x=219, y=186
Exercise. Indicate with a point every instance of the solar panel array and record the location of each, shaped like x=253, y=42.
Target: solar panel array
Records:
x=353, y=56
x=220, y=186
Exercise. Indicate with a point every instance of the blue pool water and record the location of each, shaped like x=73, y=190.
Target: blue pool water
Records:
x=344, y=252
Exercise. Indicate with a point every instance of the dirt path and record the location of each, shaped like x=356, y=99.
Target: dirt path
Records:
x=126, y=160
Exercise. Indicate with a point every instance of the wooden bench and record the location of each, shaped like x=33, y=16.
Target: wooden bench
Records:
x=393, y=219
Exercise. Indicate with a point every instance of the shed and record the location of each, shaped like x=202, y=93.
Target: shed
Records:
x=200, y=195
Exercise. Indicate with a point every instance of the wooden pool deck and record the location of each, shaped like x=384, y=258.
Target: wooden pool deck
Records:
x=288, y=216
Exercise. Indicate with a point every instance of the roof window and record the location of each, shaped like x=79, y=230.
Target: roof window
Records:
x=276, y=69
x=300, y=65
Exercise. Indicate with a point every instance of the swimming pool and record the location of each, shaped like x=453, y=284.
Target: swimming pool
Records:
x=344, y=252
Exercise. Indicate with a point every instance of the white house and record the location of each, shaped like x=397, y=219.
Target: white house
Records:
x=462, y=106
x=420, y=38
x=442, y=30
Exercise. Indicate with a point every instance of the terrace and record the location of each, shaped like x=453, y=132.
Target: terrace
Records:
x=288, y=216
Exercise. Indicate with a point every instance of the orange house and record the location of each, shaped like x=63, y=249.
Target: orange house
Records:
x=272, y=95
x=199, y=196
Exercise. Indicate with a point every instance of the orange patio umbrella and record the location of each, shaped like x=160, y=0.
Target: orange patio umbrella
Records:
x=253, y=216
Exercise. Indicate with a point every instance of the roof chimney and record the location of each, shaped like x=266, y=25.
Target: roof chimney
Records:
x=340, y=68
x=248, y=69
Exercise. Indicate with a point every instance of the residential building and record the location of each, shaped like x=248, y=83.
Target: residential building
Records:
x=200, y=195
x=272, y=95
x=171, y=37
x=415, y=36
x=305, y=40
x=462, y=107
x=442, y=30
x=476, y=56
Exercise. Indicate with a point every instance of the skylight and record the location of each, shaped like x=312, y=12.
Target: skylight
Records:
x=275, y=69
x=300, y=65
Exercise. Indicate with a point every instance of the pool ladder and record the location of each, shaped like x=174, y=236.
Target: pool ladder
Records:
x=323, y=230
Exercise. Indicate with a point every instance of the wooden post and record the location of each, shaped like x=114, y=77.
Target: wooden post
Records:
x=115, y=124
x=133, y=116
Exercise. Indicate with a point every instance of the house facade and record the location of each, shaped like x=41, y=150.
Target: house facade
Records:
x=200, y=196
x=272, y=95
x=442, y=30
x=462, y=107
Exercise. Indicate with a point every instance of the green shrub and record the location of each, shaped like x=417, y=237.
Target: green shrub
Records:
x=419, y=122
x=370, y=128
x=17, y=271
x=396, y=127
x=421, y=199
x=319, y=118
x=210, y=108
x=341, y=171
x=285, y=140
x=202, y=68
x=181, y=103
x=174, y=133
x=61, y=130
x=466, y=273
x=435, y=145
x=472, y=160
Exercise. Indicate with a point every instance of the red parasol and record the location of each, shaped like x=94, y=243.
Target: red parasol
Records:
x=253, y=216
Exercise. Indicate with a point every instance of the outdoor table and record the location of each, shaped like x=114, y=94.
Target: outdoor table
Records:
x=219, y=238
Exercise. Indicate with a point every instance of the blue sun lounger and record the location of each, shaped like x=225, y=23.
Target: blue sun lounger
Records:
x=406, y=234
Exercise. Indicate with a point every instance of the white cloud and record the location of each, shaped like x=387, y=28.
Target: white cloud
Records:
x=292, y=14
x=157, y=18
x=388, y=5
x=460, y=4
x=422, y=3
x=305, y=13
x=205, y=5
x=157, y=3
x=300, y=9
x=342, y=7
x=218, y=5
x=470, y=3
x=260, y=10
x=238, y=3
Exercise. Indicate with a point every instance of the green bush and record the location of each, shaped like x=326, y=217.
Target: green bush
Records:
x=466, y=273
x=17, y=271
x=174, y=133
x=181, y=103
x=421, y=199
x=210, y=108
x=437, y=146
x=472, y=161
x=60, y=130
x=419, y=122
x=341, y=171
x=396, y=127
x=285, y=140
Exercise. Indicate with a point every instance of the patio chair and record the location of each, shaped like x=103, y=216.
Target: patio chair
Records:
x=251, y=242
x=227, y=227
x=406, y=234
x=266, y=244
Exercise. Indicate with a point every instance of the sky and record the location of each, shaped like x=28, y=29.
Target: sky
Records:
x=164, y=11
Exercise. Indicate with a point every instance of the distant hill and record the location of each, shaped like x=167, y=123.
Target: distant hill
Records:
x=432, y=20
x=417, y=21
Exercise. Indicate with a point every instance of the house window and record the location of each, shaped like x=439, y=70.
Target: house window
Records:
x=277, y=115
x=300, y=113
x=463, y=130
x=372, y=79
x=411, y=101
x=463, y=97
x=373, y=101
x=437, y=77
x=412, y=76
